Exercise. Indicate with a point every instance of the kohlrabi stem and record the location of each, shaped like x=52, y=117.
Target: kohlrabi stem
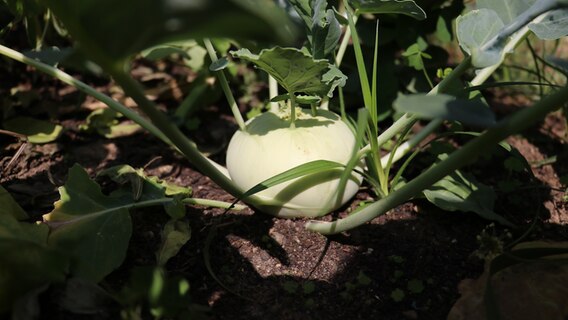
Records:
x=225, y=86
x=68, y=79
x=468, y=153
x=213, y=203
x=292, y=103
x=344, y=42
x=272, y=92
x=185, y=146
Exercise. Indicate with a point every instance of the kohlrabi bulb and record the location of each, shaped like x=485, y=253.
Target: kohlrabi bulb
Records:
x=270, y=146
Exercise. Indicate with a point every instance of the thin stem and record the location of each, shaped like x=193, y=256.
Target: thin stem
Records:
x=225, y=86
x=517, y=123
x=185, y=146
x=344, y=42
x=292, y=105
x=68, y=79
x=213, y=203
x=272, y=92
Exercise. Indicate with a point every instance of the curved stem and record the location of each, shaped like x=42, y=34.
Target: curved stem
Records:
x=225, y=86
x=68, y=79
x=518, y=122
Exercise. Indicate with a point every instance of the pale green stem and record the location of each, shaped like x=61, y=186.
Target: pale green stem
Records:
x=478, y=146
x=68, y=79
x=272, y=92
x=213, y=204
x=344, y=42
x=292, y=103
x=185, y=146
x=225, y=86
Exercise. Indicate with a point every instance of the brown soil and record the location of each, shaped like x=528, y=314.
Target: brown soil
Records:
x=270, y=268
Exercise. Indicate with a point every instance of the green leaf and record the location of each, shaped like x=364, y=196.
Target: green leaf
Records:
x=462, y=192
x=415, y=286
x=441, y=106
x=442, y=30
x=296, y=71
x=312, y=167
x=26, y=261
x=397, y=295
x=92, y=227
x=37, y=131
x=175, y=234
x=507, y=10
x=553, y=26
x=405, y=7
x=105, y=122
x=219, y=64
x=9, y=207
x=476, y=28
x=325, y=31
x=110, y=31
x=51, y=55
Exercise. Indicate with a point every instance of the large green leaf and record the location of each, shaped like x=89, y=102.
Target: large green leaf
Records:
x=110, y=30
x=441, y=106
x=175, y=234
x=93, y=228
x=296, y=71
x=9, y=207
x=406, y=7
x=462, y=192
x=507, y=10
x=26, y=262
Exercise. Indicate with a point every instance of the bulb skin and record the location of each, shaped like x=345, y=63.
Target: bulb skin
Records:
x=270, y=146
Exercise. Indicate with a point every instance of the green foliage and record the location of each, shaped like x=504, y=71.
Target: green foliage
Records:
x=175, y=234
x=296, y=71
x=106, y=122
x=405, y=7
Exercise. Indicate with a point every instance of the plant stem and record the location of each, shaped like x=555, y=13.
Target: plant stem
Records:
x=272, y=92
x=516, y=123
x=213, y=203
x=185, y=146
x=68, y=79
x=225, y=86
x=292, y=103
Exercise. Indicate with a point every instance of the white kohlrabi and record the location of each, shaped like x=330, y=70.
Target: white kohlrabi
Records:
x=270, y=146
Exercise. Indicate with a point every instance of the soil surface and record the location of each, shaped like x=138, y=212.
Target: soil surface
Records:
x=406, y=264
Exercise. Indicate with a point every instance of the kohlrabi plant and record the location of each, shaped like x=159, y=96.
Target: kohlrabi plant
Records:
x=299, y=159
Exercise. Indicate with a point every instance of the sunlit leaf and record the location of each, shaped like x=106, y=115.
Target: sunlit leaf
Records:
x=37, y=131
x=472, y=112
x=476, y=28
x=296, y=71
x=405, y=7
x=553, y=26
x=507, y=10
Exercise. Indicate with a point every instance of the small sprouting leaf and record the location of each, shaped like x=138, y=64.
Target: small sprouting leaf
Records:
x=462, y=192
x=406, y=7
x=507, y=10
x=105, y=122
x=302, y=99
x=476, y=28
x=296, y=71
x=175, y=234
x=9, y=207
x=441, y=106
x=553, y=26
x=92, y=227
x=37, y=131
